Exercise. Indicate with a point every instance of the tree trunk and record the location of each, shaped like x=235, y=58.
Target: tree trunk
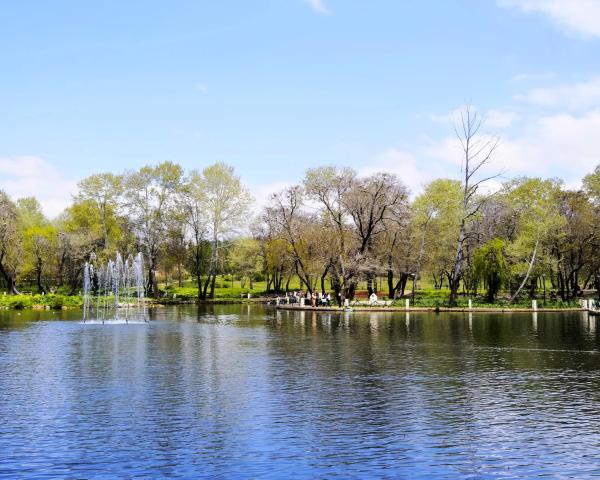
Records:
x=323, y=277
x=205, y=290
x=524, y=282
x=199, y=281
x=10, y=281
x=456, y=271
x=390, y=283
x=38, y=274
x=212, y=286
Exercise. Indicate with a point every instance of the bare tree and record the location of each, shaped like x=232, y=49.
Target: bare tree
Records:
x=371, y=202
x=286, y=220
x=478, y=150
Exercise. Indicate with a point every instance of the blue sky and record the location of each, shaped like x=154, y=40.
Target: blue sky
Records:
x=274, y=87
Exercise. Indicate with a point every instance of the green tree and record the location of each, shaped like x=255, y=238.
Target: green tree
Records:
x=533, y=207
x=436, y=215
x=226, y=202
x=150, y=196
x=245, y=259
x=39, y=243
x=10, y=242
x=193, y=207
x=39, y=248
x=491, y=266
x=591, y=185
x=103, y=192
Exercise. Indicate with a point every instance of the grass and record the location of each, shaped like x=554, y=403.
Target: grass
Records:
x=39, y=301
x=426, y=296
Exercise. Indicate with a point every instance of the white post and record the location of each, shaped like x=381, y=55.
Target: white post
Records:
x=302, y=301
x=248, y=295
x=470, y=304
x=534, y=304
x=346, y=302
x=407, y=303
x=584, y=304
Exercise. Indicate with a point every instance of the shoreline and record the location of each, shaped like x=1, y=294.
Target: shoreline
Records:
x=159, y=303
x=434, y=309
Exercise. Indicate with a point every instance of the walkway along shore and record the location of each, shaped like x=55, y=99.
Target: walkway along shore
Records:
x=430, y=309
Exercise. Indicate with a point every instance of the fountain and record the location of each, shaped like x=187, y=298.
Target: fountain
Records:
x=114, y=292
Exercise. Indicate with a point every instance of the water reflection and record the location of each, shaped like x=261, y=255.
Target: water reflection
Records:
x=241, y=391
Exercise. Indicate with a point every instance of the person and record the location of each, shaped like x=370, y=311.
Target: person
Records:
x=373, y=298
x=328, y=300
x=313, y=299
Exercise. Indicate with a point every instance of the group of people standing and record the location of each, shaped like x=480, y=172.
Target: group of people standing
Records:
x=314, y=299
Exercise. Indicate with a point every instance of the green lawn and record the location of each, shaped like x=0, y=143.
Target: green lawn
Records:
x=425, y=296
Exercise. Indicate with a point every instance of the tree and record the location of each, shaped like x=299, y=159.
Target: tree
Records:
x=79, y=235
x=533, y=209
x=175, y=246
x=226, y=203
x=10, y=242
x=356, y=210
x=103, y=190
x=491, y=266
x=435, y=225
x=39, y=242
x=370, y=202
x=39, y=246
x=477, y=151
x=150, y=195
x=287, y=221
x=193, y=206
x=244, y=258
x=575, y=243
x=591, y=185
x=330, y=187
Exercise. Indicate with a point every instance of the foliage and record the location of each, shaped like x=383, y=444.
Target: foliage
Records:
x=335, y=231
x=491, y=266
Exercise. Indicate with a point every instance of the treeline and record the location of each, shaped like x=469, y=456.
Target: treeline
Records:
x=335, y=229
x=332, y=230
x=182, y=222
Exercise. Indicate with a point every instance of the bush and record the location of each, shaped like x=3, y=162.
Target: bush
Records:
x=54, y=301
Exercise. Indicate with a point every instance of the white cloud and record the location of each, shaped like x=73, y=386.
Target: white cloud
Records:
x=500, y=118
x=574, y=16
x=533, y=77
x=579, y=95
x=201, y=87
x=34, y=177
x=262, y=192
x=561, y=145
x=318, y=6
x=492, y=118
x=406, y=166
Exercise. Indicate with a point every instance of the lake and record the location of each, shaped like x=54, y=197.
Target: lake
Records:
x=240, y=391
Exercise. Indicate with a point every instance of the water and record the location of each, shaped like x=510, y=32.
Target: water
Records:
x=245, y=392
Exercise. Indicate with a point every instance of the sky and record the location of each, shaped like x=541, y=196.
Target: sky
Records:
x=274, y=87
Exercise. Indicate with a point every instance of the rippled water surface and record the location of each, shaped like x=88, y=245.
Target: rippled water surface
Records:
x=247, y=392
